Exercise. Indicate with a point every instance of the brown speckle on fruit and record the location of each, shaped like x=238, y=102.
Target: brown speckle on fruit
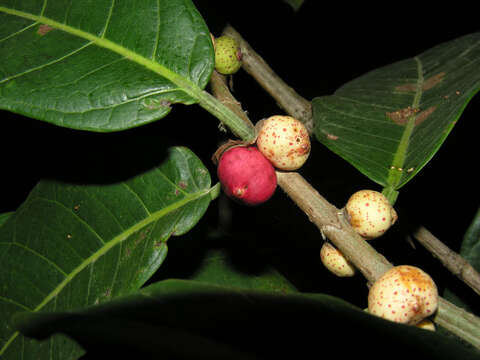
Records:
x=370, y=213
x=404, y=294
x=335, y=262
x=285, y=141
x=227, y=55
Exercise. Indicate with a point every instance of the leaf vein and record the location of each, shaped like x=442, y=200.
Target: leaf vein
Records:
x=357, y=131
x=129, y=188
x=71, y=211
x=107, y=21
x=42, y=66
x=41, y=256
x=14, y=302
x=157, y=34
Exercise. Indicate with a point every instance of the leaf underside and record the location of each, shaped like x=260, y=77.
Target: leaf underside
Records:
x=391, y=121
x=470, y=251
x=69, y=246
x=224, y=322
x=217, y=269
x=101, y=65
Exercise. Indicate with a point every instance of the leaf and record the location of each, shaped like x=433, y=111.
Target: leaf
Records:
x=218, y=269
x=5, y=216
x=194, y=320
x=470, y=251
x=391, y=121
x=295, y=4
x=101, y=65
x=69, y=246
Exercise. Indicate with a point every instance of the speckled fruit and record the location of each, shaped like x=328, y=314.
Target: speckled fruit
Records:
x=426, y=324
x=404, y=294
x=335, y=262
x=284, y=141
x=246, y=175
x=228, y=55
x=370, y=213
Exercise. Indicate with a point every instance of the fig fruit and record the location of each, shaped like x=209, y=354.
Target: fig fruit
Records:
x=246, y=175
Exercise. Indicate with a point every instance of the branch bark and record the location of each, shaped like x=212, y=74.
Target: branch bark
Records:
x=328, y=219
x=333, y=224
x=218, y=84
x=449, y=258
x=286, y=97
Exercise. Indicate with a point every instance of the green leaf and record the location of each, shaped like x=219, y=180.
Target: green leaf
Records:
x=69, y=246
x=5, y=216
x=101, y=65
x=295, y=4
x=194, y=320
x=217, y=268
x=470, y=251
x=391, y=121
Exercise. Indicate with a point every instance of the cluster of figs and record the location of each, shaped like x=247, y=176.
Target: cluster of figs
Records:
x=404, y=294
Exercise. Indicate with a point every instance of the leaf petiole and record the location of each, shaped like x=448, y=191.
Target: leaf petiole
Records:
x=204, y=99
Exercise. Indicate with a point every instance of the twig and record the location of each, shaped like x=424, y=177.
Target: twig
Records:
x=295, y=104
x=218, y=84
x=458, y=321
x=330, y=220
x=450, y=259
x=286, y=97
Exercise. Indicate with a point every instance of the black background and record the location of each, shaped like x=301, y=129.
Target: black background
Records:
x=315, y=50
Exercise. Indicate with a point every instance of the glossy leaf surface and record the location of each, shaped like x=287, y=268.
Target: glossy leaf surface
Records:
x=70, y=246
x=391, y=121
x=192, y=320
x=101, y=65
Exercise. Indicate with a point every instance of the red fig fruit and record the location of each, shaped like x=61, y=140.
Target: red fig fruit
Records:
x=246, y=175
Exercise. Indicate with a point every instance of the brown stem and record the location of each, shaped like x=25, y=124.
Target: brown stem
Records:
x=330, y=221
x=459, y=322
x=218, y=84
x=333, y=224
x=286, y=97
x=450, y=259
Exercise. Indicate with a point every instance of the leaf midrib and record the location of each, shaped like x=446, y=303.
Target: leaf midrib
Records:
x=395, y=174
x=204, y=99
x=189, y=87
x=110, y=244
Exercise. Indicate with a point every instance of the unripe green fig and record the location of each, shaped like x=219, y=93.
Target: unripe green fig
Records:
x=227, y=55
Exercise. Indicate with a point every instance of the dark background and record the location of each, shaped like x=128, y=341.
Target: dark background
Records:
x=315, y=50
